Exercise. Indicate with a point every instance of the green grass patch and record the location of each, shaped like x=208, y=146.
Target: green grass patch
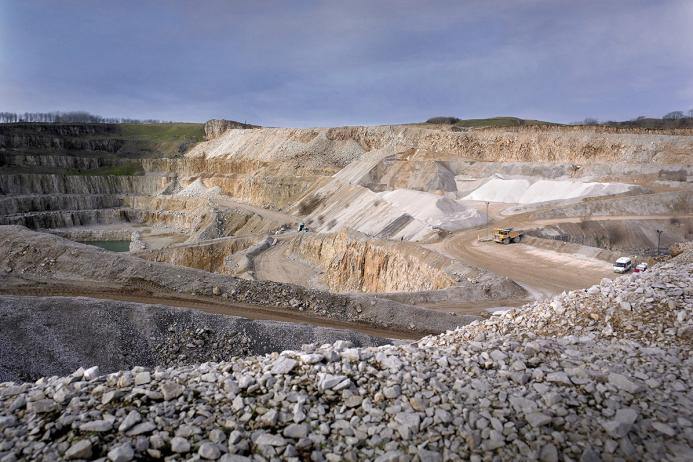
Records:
x=489, y=122
x=500, y=122
x=159, y=140
x=133, y=168
x=163, y=133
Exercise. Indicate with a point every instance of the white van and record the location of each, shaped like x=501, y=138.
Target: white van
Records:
x=623, y=265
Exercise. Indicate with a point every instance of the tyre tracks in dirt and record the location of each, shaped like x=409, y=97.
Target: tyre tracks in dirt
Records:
x=248, y=311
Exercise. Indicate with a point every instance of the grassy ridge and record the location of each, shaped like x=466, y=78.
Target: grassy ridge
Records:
x=128, y=168
x=161, y=140
x=489, y=122
x=500, y=122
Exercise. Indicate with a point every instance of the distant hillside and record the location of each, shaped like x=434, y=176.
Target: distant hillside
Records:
x=648, y=123
x=653, y=123
x=121, y=140
x=490, y=122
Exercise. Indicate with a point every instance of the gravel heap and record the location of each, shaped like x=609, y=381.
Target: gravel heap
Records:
x=46, y=336
x=653, y=308
x=501, y=389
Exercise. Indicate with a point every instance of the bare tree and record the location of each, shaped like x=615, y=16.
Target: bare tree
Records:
x=674, y=115
x=70, y=117
x=690, y=113
x=590, y=121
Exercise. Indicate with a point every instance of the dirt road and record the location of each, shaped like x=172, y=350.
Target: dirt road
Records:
x=223, y=201
x=542, y=272
x=199, y=303
x=274, y=265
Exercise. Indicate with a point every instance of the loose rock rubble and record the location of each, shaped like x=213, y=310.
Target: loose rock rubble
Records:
x=653, y=308
x=44, y=336
x=578, y=378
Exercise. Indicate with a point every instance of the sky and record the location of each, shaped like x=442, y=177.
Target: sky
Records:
x=328, y=63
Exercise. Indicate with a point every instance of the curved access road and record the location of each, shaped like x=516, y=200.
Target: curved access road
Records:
x=541, y=272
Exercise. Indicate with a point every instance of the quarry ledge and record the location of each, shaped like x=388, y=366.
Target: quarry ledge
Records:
x=45, y=260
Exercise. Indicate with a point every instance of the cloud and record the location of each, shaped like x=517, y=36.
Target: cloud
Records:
x=323, y=63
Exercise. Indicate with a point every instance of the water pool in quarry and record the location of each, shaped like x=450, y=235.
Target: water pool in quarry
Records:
x=113, y=246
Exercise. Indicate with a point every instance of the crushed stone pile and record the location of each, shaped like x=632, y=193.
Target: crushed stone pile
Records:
x=654, y=308
x=547, y=382
x=434, y=210
x=198, y=189
x=528, y=191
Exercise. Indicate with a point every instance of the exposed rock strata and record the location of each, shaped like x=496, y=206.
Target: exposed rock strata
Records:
x=340, y=146
x=215, y=127
x=21, y=184
x=209, y=256
x=355, y=263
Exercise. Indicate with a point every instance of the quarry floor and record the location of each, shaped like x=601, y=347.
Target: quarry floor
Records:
x=541, y=272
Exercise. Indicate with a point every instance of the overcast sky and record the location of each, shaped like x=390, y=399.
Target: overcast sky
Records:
x=325, y=63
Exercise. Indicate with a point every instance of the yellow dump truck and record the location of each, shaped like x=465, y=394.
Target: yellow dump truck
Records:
x=506, y=235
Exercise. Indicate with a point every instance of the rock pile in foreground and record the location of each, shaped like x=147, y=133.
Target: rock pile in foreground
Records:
x=613, y=384
x=44, y=336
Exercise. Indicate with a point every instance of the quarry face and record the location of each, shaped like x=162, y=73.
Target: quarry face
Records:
x=326, y=244
x=383, y=230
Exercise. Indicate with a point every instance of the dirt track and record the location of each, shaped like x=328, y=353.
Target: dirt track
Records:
x=200, y=303
x=273, y=265
x=541, y=272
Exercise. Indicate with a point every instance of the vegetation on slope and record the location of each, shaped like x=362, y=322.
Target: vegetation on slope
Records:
x=127, y=168
x=489, y=122
x=100, y=139
x=168, y=140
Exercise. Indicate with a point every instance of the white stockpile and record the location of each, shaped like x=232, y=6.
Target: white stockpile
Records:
x=198, y=189
x=532, y=191
x=359, y=208
x=434, y=210
x=348, y=204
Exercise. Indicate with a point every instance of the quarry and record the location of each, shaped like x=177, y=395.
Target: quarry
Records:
x=233, y=292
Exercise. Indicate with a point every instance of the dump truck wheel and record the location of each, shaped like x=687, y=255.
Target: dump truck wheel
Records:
x=506, y=240
x=516, y=239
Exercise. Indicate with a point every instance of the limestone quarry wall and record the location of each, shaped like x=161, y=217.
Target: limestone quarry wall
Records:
x=215, y=127
x=357, y=264
x=554, y=145
x=253, y=181
x=10, y=205
x=201, y=166
x=336, y=147
x=54, y=161
x=264, y=191
x=79, y=137
x=69, y=218
x=554, y=170
x=78, y=184
x=666, y=203
x=207, y=256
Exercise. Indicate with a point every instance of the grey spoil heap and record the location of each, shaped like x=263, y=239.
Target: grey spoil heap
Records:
x=598, y=374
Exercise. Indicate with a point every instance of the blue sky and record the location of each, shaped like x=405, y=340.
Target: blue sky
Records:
x=326, y=63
